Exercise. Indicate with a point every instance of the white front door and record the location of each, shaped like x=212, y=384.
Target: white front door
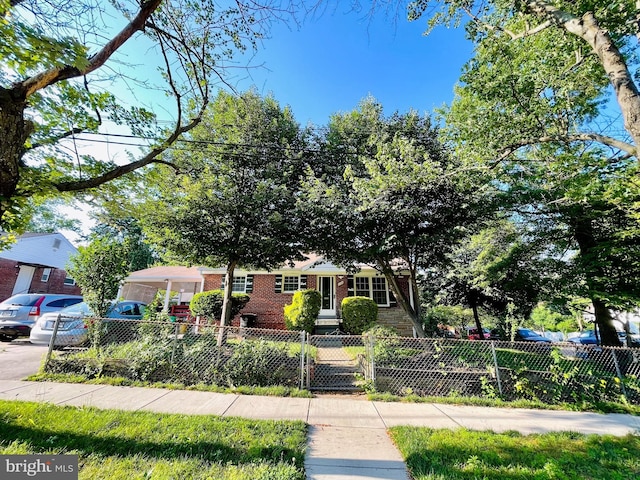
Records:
x=23, y=282
x=327, y=297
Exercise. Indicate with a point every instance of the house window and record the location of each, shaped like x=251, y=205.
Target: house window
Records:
x=290, y=284
x=239, y=285
x=69, y=281
x=362, y=287
x=379, y=290
x=374, y=288
x=46, y=273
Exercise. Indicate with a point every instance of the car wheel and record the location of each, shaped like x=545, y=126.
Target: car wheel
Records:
x=7, y=338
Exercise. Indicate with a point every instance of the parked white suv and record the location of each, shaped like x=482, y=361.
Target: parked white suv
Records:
x=20, y=312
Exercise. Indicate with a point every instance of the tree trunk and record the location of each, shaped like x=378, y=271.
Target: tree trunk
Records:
x=608, y=333
x=588, y=29
x=225, y=316
x=14, y=131
x=583, y=234
x=473, y=301
x=402, y=299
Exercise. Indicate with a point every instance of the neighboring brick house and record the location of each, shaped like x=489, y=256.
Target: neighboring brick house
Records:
x=36, y=263
x=271, y=291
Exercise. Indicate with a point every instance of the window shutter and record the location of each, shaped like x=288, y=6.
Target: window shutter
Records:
x=278, y=284
x=303, y=282
x=248, y=287
x=350, y=286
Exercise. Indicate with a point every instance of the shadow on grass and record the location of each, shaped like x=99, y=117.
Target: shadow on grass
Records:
x=42, y=440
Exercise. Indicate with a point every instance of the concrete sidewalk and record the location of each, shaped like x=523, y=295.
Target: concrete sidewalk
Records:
x=347, y=435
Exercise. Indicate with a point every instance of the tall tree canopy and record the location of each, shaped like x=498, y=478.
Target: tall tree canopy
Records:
x=60, y=64
x=590, y=44
x=498, y=269
x=398, y=202
x=521, y=113
x=235, y=205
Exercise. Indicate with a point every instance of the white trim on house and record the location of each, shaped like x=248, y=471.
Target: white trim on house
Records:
x=293, y=286
x=371, y=290
x=46, y=274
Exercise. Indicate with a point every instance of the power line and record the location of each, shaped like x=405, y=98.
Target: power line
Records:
x=173, y=146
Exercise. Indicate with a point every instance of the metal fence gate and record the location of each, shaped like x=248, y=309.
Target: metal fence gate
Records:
x=333, y=364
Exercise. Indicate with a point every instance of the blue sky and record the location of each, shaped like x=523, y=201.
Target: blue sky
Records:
x=330, y=63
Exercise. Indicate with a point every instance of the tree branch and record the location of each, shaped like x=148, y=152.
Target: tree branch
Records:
x=582, y=137
x=66, y=134
x=151, y=157
x=54, y=75
x=514, y=36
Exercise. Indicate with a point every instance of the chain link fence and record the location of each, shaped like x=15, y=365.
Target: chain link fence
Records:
x=173, y=352
x=238, y=356
x=551, y=373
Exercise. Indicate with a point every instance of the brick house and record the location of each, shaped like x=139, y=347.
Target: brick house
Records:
x=36, y=263
x=270, y=291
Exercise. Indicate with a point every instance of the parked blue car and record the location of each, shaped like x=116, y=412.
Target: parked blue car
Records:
x=526, y=335
x=588, y=337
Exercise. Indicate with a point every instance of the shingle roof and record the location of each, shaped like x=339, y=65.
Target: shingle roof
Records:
x=46, y=249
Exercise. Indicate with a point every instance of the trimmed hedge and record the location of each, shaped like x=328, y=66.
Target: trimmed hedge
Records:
x=303, y=311
x=209, y=304
x=358, y=314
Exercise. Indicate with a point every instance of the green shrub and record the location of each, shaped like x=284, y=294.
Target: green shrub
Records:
x=358, y=314
x=259, y=363
x=381, y=331
x=209, y=304
x=303, y=311
x=387, y=345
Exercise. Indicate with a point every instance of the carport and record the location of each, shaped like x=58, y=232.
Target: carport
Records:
x=144, y=284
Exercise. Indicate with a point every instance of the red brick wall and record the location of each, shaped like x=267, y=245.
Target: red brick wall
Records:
x=55, y=283
x=9, y=272
x=8, y=275
x=264, y=302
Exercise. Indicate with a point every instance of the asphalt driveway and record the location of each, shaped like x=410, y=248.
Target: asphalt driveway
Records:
x=19, y=359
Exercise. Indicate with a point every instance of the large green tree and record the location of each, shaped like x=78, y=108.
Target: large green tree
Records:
x=98, y=269
x=495, y=269
x=592, y=40
x=518, y=114
x=397, y=203
x=235, y=203
x=62, y=64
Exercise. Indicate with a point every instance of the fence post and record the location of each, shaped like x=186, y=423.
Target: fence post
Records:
x=302, y=355
x=372, y=360
x=51, y=343
x=615, y=362
x=497, y=367
x=308, y=367
x=175, y=341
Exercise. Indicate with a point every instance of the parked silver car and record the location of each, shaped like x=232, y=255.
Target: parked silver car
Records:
x=19, y=313
x=72, y=330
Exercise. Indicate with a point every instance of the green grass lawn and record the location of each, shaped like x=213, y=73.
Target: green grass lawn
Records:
x=469, y=455
x=141, y=445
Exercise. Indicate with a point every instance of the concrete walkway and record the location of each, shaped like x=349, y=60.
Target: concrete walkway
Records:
x=347, y=435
